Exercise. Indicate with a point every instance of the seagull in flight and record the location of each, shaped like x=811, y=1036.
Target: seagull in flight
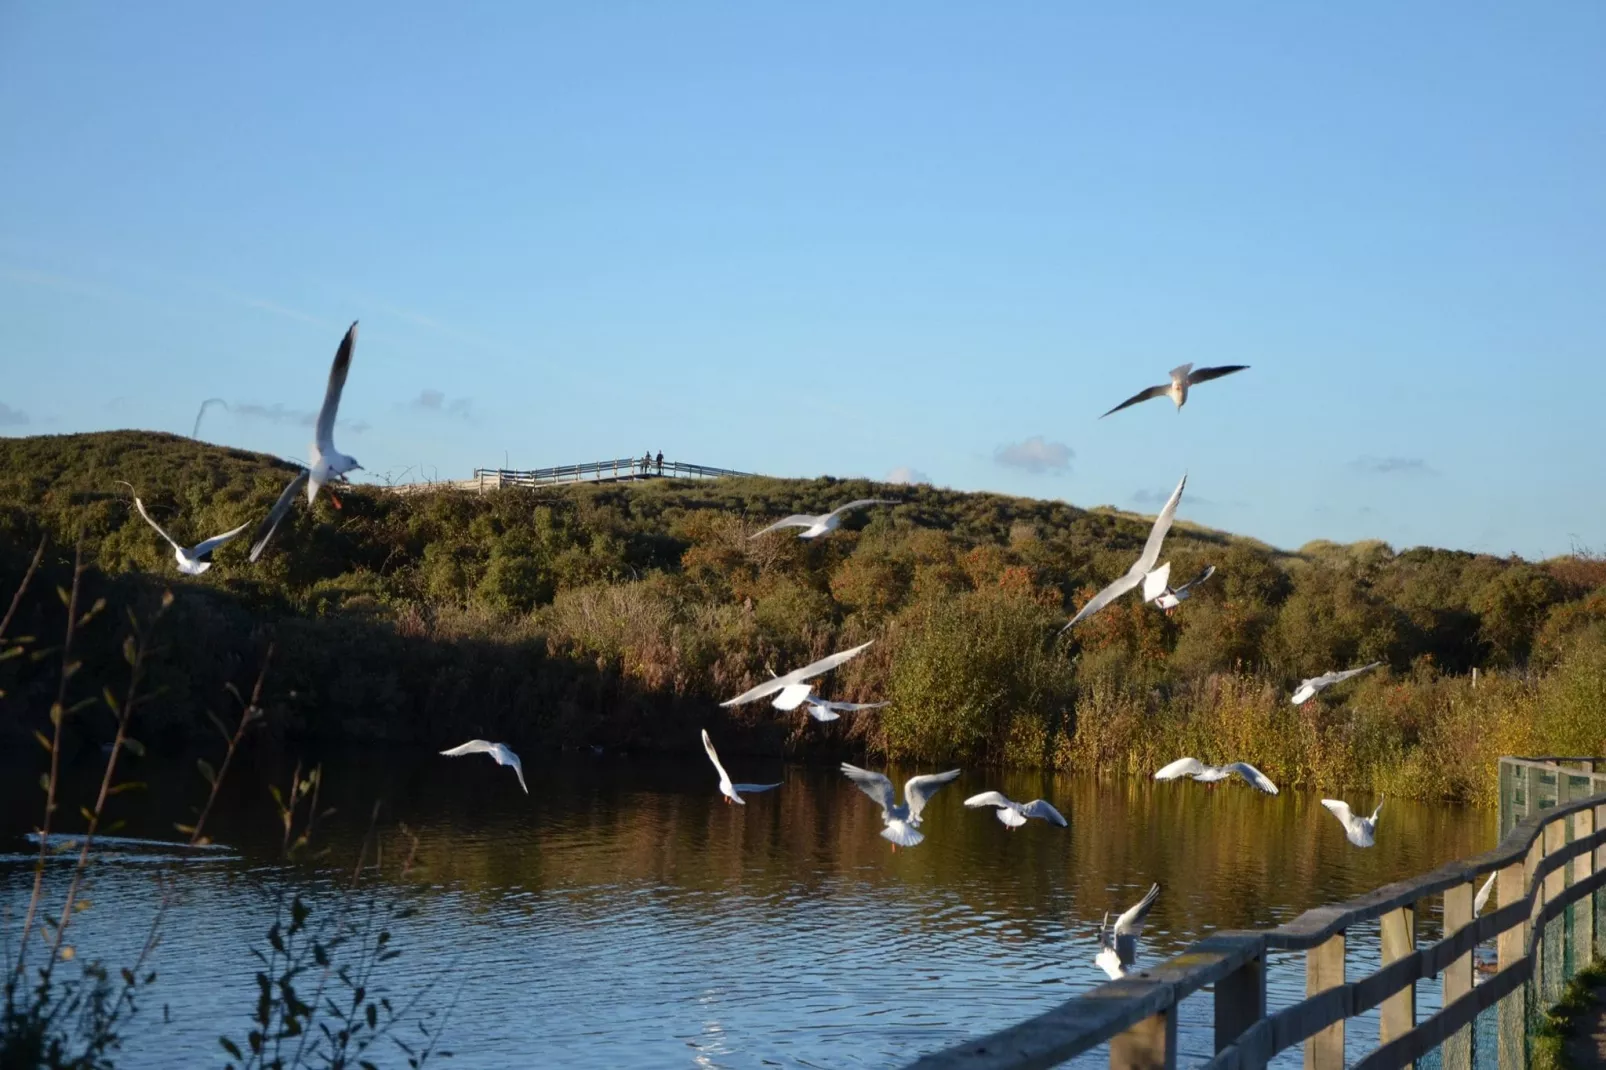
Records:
x=500, y=751
x=1140, y=570
x=1309, y=689
x=328, y=464
x=1014, y=814
x=1172, y=597
x=1358, y=830
x=824, y=524
x=825, y=710
x=1118, y=946
x=902, y=822
x=1182, y=377
x=792, y=686
x=1209, y=774
x=196, y=559
x=732, y=792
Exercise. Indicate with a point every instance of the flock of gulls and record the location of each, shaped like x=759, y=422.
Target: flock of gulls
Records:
x=901, y=821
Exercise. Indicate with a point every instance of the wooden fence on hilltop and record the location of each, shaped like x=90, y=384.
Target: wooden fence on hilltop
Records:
x=614, y=471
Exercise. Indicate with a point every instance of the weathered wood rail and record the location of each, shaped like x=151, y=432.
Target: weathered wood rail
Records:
x=618, y=470
x=1552, y=857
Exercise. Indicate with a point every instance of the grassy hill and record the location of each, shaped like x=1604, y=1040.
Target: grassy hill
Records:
x=618, y=613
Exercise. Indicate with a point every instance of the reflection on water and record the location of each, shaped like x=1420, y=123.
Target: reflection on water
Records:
x=621, y=914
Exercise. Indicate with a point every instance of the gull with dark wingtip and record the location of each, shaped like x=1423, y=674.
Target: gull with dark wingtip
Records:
x=1182, y=377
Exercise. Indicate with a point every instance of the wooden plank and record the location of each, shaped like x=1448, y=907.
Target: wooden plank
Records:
x=1548, y=978
x=1324, y=969
x=1584, y=868
x=1512, y=947
x=1600, y=865
x=1399, y=940
x=1458, y=974
x=1240, y=1001
x=1149, y=1045
x=1431, y=1033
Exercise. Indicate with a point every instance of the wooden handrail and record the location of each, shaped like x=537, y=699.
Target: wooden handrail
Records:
x=1136, y=1015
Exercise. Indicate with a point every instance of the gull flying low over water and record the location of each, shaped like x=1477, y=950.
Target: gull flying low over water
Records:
x=1172, y=597
x=1014, y=814
x=1309, y=689
x=902, y=822
x=328, y=463
x=1209, y=774
x=1182, y=377
x=500, y=751
x=824, y=524
x=1118, y=946
x=1141, y=568
x=194, y=560
x=1358, y=830
x=732, y=792
x=825, y=710
x=794, y=689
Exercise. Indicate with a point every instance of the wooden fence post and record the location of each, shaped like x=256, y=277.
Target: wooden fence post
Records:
x=1149, y=1045
x=1457, y=1051
x=1240, y=1001
x=1554, y=974
x=1583, y=911
x=1600, y=864
x=1324, y=969
x=1398, y=1015
x=1513, y=887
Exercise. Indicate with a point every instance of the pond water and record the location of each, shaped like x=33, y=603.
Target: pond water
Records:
x=620, y=914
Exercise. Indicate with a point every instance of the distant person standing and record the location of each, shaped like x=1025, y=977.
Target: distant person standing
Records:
x=660, y=462
x=646, y=463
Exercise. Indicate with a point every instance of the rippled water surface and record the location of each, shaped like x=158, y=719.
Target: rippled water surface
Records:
x=621, y=915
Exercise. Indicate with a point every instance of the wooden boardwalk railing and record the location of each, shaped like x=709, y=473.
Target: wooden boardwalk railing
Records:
x=623, y=468
x=1535, y=859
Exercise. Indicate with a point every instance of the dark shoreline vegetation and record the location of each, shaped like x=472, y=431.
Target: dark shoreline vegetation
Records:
x=620, y=614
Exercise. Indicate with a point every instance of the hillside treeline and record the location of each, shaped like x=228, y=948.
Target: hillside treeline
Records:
x=619, y=614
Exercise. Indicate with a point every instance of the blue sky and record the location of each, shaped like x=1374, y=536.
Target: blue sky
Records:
x=839, y=239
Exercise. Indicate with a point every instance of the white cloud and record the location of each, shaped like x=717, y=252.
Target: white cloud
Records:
x=904, y=474
x=436, y=403
x=1036, y=455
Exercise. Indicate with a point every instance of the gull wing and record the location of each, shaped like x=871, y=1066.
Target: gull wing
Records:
x=1204, y=375
x=823, y=712
x=990, y=798
x=1155, y=583
x=1142, y=395
x=859, y=504
x=518, y=767
x=918, y=789
x=1180, y=768
x=271, y=524
x=875, y=785
x=1131, y=923
x=1210, y=570
x=1162, y=524
x=1254, y=776
x=1042, y=808
x=713, y=756
x=141, y=507
x=749, y=789
x=473, y=746
x=854, y=707
x=1481, y=900
x=1376, y=810
x=792, y=696
x=325, y=429
x=1341, y=811
x=797, y=676
x=1104, y=598
x=218, y=540
x=1340, y=677
x=796, y=520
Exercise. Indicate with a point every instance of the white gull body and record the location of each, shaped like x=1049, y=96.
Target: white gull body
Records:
x=192, y=560
x=1209, y=774
x=1182, y=377
x=1014, y=814
x=902, y=822
x=824, y=523
x=732, y=792
x=794, y=678
x=1309, y=689
x=1118, y=945
x=1361, y=831
x=500, y=751
x=1141, y=568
